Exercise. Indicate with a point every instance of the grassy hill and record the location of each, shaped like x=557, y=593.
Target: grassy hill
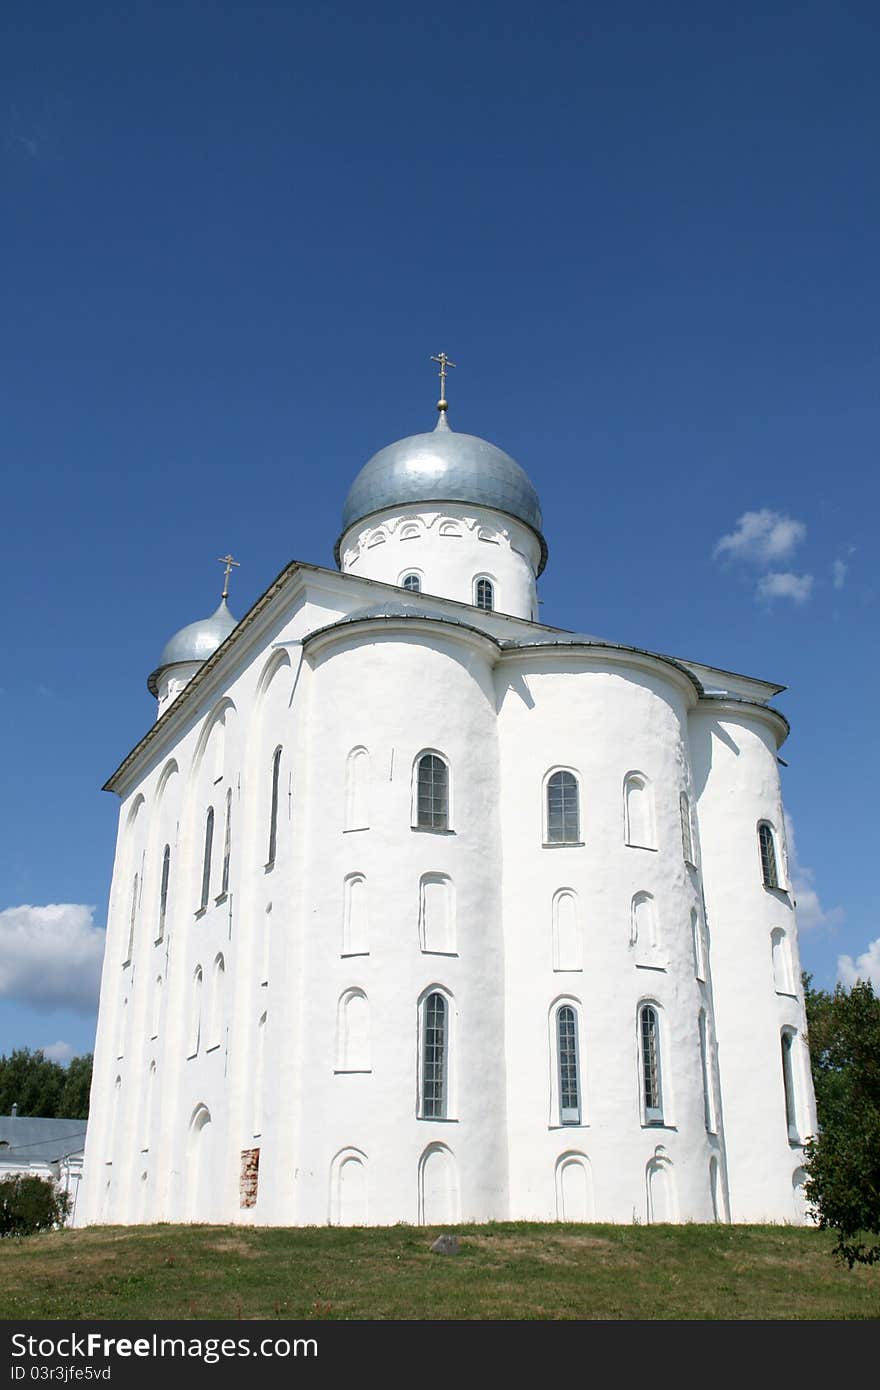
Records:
x=510, y=1270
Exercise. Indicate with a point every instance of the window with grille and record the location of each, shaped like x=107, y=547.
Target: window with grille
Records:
x=432, y=793
x=652, y=1095
x=687, y=839
x=434, y=1057
x=768, y=856
x=484, y=595
x=563, y=811
x=567, y=1052
x=413, y=583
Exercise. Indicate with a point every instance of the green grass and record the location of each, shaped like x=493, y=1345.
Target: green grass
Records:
x=510, y=1270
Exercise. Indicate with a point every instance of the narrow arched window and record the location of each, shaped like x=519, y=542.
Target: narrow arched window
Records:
x=435, y=1038
x=357, y=789
x=215, y=1035
x=163, y=891
x=413, y=583
x=781, y=960
x=768, y=856
x=206, y=862
x=639, y=811
x=699, y=945
x=432, y=793
x=484, y=595
x=567, y=1055
x=788, y=1085
x=227, y=843
x=649, y=1041
x=563, y=810
x=687, y=839
x=195, y=1022
x=273, y=812
x=129, y=945
x=705, y=1063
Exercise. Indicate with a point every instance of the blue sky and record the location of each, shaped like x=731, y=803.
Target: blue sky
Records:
x=232, y=235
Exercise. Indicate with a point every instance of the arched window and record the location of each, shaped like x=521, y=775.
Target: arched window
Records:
x=567, y=942
x=206, y=862
x=644, y=932
x=788, y=1038
x=768, y=855
x=699, y=945
x=484, y=594
x=355, y=924
x=357, y=789
x=433, y=1087
x=437, y=914
x=781, y=962
x=353, y=1032
x=638, y=798
x=413, y=583
x=687, y=839
x=273, y=811
x=195, y=1022
x=129, y=945
x=163, y=891
x=705, y=1062
x=649, y=1043
x=567, y=1063
x=432, y=793
x=227, y=844
x=215, y=1033
x=563, y=810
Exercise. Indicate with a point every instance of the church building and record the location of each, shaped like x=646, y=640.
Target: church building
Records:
x=424, y=910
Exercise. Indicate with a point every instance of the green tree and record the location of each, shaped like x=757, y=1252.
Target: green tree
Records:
x=843, y=1159
x=73, y=1102
x=29, y=1204
x=43, y=1088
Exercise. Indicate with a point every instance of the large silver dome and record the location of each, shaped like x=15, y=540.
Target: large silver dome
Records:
x=195, y=642
x=443, y=466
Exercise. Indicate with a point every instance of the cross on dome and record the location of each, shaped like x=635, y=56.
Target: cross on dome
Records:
x=444, y=361
x=228, y=561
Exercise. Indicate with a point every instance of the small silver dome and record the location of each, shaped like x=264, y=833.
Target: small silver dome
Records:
x=195, y=642
x=443, y=466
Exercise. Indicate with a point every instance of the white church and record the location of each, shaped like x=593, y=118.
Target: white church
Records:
x=426, y=911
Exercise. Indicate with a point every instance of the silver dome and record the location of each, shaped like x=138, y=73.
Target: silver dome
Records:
x=195, y=642
x=443, y=466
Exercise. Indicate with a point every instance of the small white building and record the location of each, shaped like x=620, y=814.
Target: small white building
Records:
x=50, y=1149
x=426, y=911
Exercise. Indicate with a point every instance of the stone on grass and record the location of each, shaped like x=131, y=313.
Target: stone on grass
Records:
x=445, y=1245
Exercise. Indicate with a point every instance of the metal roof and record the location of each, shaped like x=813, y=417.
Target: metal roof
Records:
x=443, y=466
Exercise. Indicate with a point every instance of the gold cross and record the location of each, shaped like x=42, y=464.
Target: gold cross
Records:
x=228, y=561
x=444, y=361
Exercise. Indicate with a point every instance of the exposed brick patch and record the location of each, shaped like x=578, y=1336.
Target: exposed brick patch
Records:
x=250, y=1177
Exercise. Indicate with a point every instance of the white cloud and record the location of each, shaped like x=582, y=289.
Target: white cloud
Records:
x=58, y=1052
x=761, y=537
x=797, y=587
x=864, y=967
x=50, y=957
x=810, y=912
x=838, y=573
